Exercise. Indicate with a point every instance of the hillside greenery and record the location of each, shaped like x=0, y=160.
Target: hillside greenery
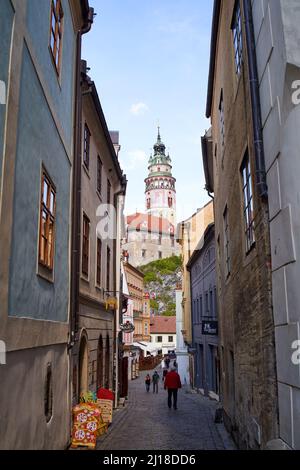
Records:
x=161, y=277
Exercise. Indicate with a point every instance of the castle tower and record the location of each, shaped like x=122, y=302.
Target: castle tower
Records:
x=160, y=184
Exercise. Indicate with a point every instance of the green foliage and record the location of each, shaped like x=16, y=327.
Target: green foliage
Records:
x=150, y=277
x=154, y=304
x=163, y=266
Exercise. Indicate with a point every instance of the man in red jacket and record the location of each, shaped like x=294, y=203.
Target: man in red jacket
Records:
x=172, y=383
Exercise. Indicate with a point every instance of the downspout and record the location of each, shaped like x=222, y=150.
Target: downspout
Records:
x=255, y=102
x=76, y=191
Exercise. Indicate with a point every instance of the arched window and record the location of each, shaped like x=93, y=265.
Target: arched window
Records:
x=83, y=365
x=48, y=394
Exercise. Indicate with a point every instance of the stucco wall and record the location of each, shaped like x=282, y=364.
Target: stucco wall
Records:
x=6, y=22
x=23, y=421
x=38, y=142
x=203, y=281
x=61, y=89
x=277, y=34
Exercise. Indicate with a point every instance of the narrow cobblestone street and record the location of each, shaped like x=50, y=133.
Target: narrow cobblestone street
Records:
x=147, y=423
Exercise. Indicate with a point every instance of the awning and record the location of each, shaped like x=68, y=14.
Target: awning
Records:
x=147, y=347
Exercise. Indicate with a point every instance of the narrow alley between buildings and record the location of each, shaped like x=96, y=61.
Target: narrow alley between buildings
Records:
x=147, y=423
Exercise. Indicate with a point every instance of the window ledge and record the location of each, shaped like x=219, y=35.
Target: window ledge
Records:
x=86, y=170
x=45, y=273
x=99, y=195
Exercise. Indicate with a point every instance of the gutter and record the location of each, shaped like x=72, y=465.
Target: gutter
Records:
x=255, y=102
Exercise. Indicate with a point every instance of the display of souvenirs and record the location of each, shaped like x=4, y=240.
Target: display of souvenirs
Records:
x=88, y=424
x=105, y=394
x=88, y=397
x=106, y=407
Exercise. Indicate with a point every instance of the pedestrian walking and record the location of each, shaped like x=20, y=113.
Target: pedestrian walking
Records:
x=155, y=380
x=165, y=371
x=167, y=362
x=147, y=382
x=172, y=383
x=175, y=364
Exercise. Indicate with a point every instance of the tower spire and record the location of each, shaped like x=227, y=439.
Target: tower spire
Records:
x=158, y=135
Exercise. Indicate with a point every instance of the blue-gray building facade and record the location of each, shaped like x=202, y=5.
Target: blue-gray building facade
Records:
x=205, y=315
x=36, y=138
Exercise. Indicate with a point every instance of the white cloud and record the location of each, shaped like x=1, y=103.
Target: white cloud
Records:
x=139, y=109
x=134, y=159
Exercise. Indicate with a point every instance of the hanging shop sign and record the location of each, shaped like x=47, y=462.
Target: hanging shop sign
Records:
x=209, y=327
x=111, y=303
x=127, y=327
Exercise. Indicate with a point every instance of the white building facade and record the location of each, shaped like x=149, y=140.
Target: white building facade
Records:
x=277, y=36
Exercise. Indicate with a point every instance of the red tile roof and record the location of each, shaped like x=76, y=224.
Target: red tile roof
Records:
x=163, y=325
x=149, y=223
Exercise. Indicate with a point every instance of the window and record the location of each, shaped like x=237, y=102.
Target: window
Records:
x=108, y=191
x=201, y=307
x=99, y=174
x=206, y=304
x=248, y=202
x=170, y=339
x=160, y=255
x=148, y=203
x=197, y=311
x=216, y=302
x=226, y=242
x=85, y=245
x=99, y=256
x=107, y=268
x=159, y=339
x=146, y=328
x=237, y=37
x=47, y=222
x=222, y=121
x=56, y=32
x=144, y=253
x=172, y=241
x=48, y=394
x=211, y=306
x=86, y=149
x=170, y=201
x=159, y=239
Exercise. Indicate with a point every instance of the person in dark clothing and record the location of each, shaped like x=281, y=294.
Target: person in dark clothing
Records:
x=155, y=380
x=165, y=371
x=147, y=382
x=172, y=383
x=167, y=362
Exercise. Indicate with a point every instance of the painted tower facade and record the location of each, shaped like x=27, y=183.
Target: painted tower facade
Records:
x=160, y=189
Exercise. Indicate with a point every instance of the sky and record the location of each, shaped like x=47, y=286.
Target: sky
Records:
x=149, y=60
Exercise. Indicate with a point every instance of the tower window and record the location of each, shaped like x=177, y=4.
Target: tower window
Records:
x=148, y=203
x=170, y=201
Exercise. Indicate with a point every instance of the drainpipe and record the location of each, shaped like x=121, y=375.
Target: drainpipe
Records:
x=76, y=191
x=255, y=102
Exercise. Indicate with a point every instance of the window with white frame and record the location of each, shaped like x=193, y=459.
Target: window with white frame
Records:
x=226, y=242
x=237, y=37
x=248, y=202
x=222, y=121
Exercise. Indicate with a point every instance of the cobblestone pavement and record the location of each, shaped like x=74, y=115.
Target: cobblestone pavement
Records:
x=147, y=423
